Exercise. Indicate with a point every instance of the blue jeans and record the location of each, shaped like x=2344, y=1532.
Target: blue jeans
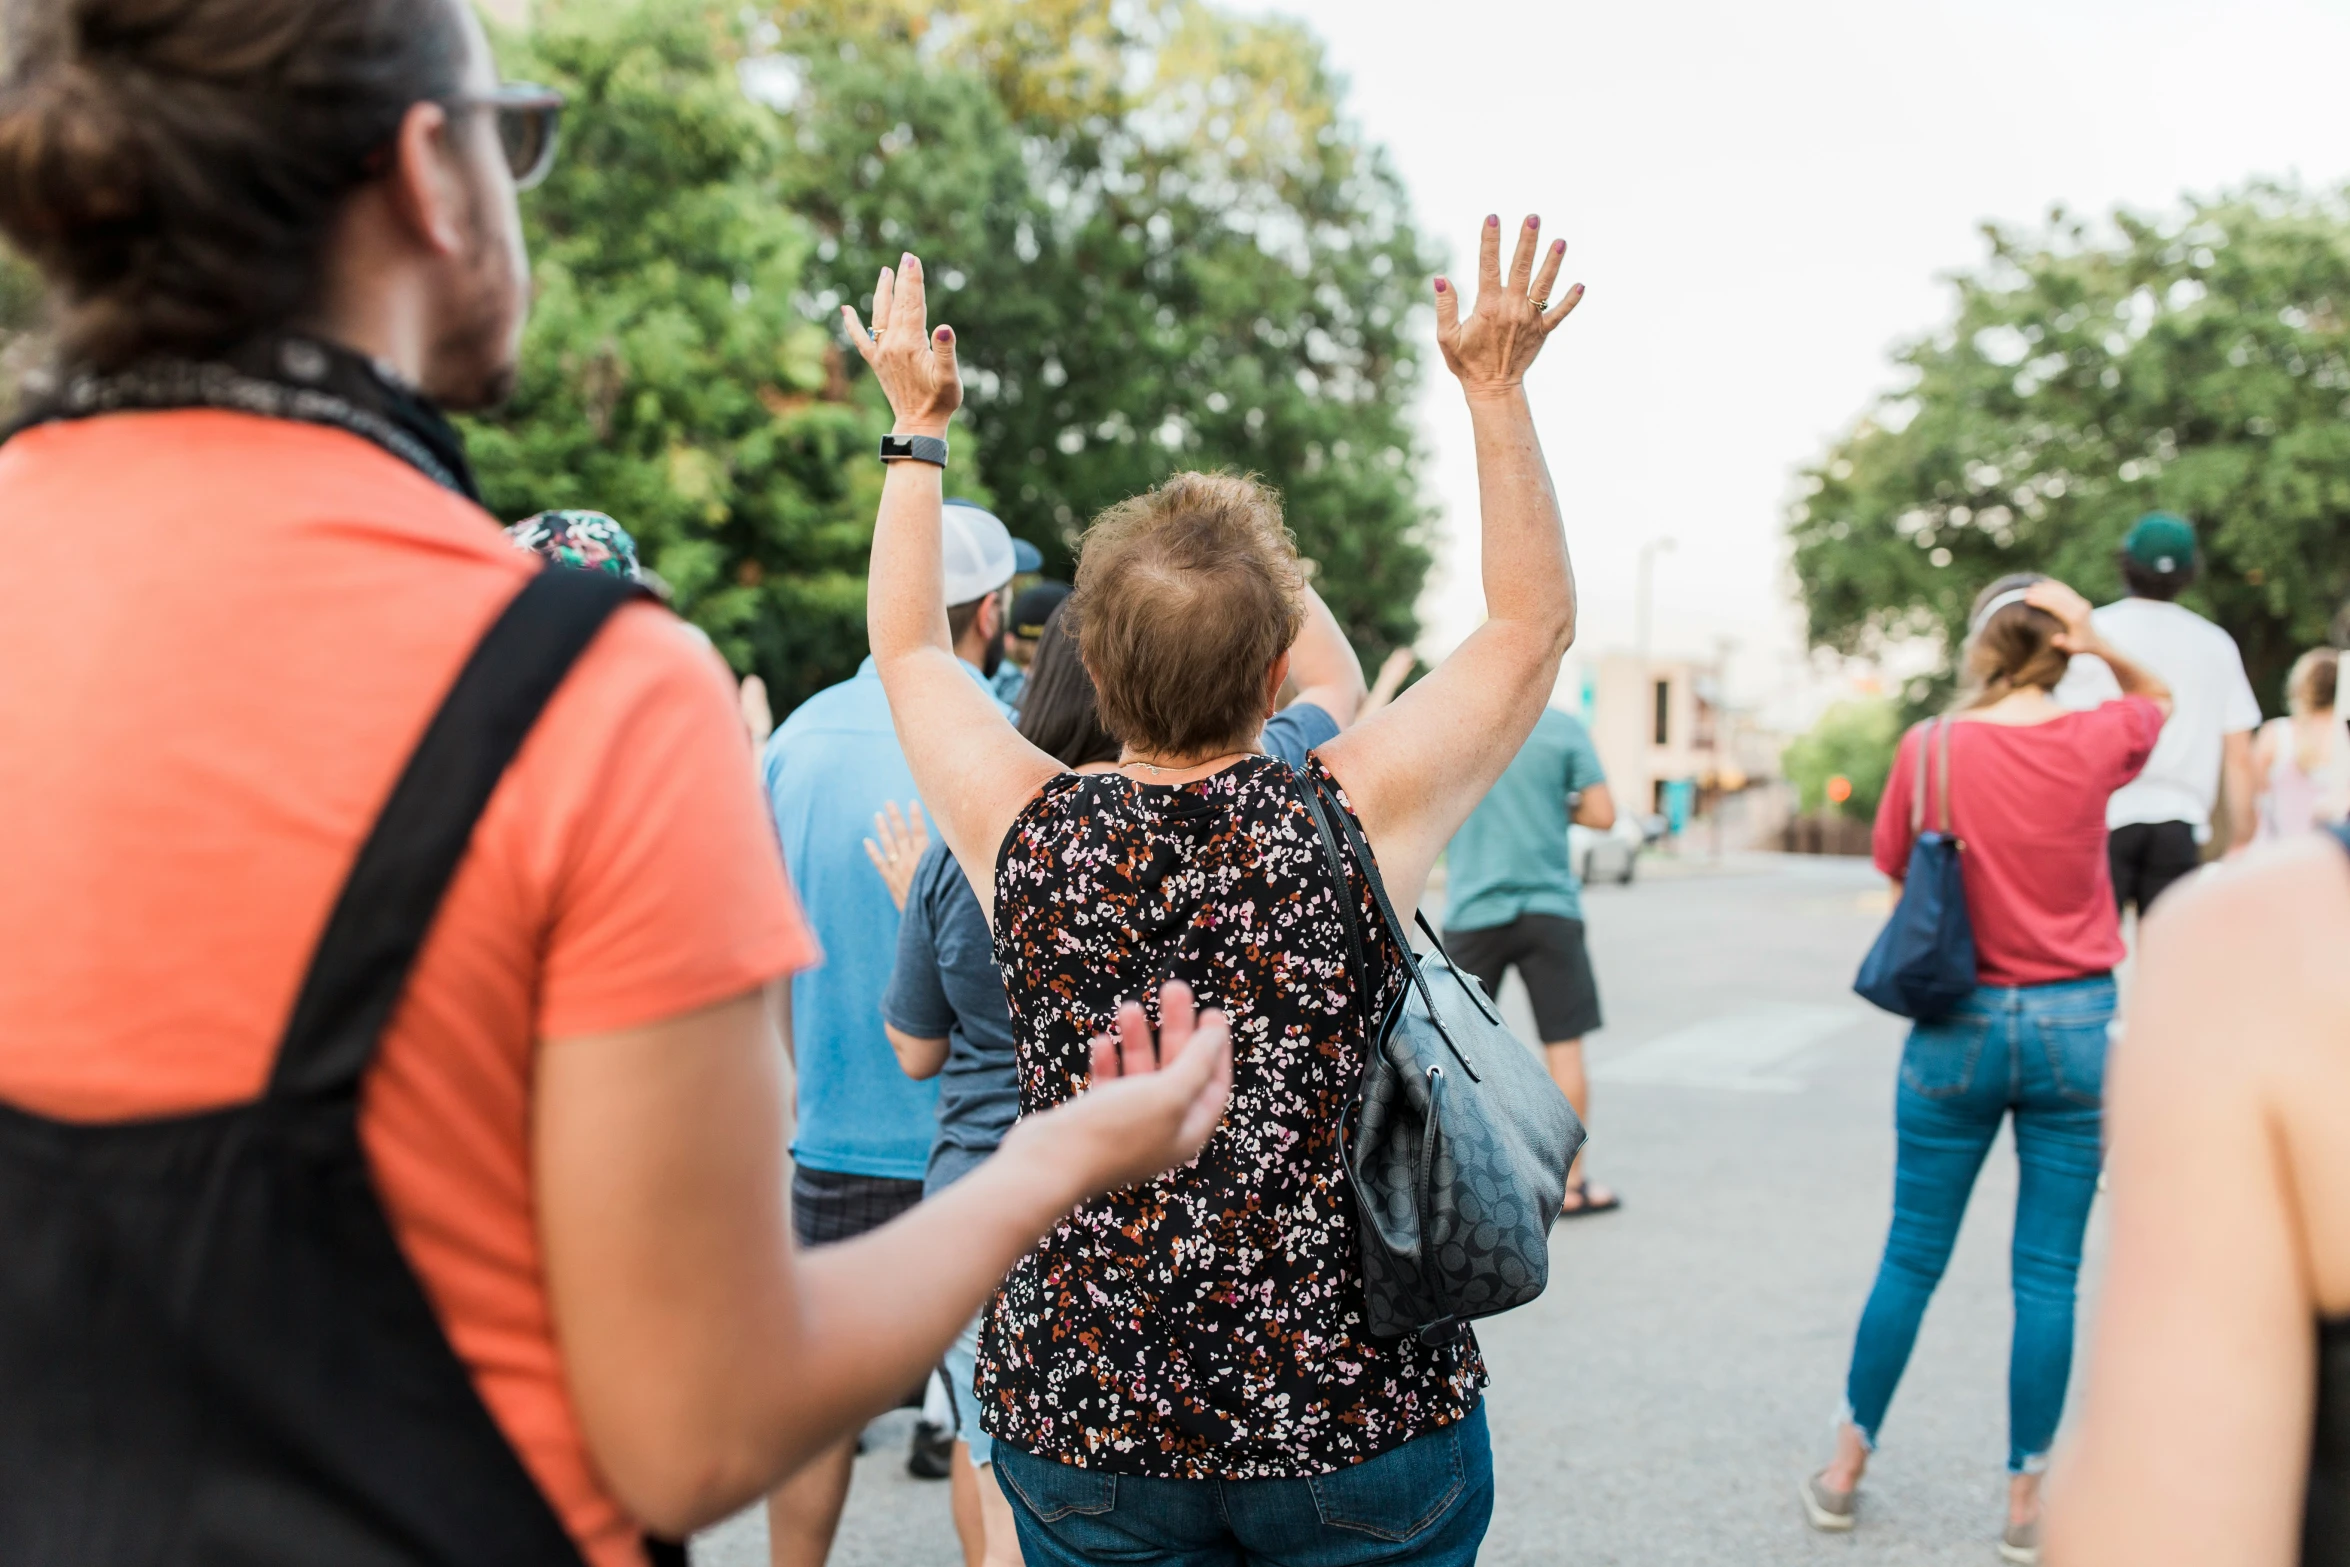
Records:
x=1426, y=1503
x=2037, y=1051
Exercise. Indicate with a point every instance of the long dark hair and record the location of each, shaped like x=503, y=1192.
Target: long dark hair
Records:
x=175, y=167
x=1058, y=714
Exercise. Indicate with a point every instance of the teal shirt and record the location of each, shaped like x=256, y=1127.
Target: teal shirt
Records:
x=1510, y=857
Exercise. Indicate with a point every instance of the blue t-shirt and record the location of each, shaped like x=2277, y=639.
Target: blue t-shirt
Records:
x=946, y=986
x=830, y=766
x=1510, y=857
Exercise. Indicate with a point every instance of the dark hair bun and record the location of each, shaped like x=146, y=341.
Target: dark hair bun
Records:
x=175, y=166
x=71, y=160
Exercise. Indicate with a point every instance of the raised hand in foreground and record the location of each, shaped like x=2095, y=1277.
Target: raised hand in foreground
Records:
x=1152, y=1103
x=1492, y=347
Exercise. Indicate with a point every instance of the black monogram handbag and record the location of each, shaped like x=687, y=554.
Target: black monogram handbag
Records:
x=1459, y=1144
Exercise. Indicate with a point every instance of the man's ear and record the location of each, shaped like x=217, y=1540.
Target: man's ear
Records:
x=991, y=616
x=425, y=183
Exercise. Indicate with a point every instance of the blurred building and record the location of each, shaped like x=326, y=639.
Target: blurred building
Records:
x=1672, y=745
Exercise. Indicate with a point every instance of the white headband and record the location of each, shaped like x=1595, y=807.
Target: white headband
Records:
x=2011, y=596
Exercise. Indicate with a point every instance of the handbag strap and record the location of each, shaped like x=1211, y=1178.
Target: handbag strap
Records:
x=1346, y=904
x=1937, y=729
x=1321, y=808
x=1942, y=775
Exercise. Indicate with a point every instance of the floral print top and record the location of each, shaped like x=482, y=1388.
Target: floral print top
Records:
x=1210, y=1323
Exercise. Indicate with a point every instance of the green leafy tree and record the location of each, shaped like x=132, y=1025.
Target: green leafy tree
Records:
x=2194, y=362
x=20, y=319
x=1852, y=740
x=671, y=374
x=1161, y=248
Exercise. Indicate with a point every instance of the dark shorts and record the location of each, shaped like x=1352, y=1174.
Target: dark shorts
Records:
x=2147, y=857
x=827, y=1206
x=1548, y=953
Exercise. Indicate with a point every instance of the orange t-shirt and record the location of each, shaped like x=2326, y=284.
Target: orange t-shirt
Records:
x=220, y=638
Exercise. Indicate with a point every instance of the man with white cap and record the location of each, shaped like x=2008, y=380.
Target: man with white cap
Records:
x=863, y=1129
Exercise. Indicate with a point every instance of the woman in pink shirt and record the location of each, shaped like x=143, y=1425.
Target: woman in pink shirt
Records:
x=2027, y=782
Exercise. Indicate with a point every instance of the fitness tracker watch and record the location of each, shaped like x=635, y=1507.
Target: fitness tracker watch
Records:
x=914, y=448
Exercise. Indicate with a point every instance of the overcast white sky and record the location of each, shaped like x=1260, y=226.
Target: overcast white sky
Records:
x=1761, y=200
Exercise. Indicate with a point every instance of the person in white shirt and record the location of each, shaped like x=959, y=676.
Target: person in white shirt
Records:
x=2159, y=823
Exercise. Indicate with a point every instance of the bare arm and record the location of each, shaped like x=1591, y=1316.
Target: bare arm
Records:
x=919, y=1058
x=2240, y=787
x=1323, y=664
x=708, y=1358
x=1415, y=769
x=969, y=763
x=1595, y=807
x=2195, y=1431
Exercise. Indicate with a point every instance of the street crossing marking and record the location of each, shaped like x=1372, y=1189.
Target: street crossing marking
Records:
x=1753, y=1050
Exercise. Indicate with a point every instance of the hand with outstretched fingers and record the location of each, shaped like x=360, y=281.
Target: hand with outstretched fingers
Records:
x=1490, y=349
x=2080, y=632
x=758, y=713
x=899, y=848
x=1152, y=1103
x=1391, y=678
x=915, y=366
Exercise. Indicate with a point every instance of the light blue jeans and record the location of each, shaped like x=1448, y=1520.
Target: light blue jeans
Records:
x=2036, y=1052
x=962, y=1372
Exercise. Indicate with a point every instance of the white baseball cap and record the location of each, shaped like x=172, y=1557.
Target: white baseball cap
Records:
x=979, y=553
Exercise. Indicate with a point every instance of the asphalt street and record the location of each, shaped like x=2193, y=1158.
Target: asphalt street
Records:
x=1660, y=1402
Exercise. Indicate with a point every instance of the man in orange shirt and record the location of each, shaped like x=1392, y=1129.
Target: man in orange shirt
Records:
x=390, y=1116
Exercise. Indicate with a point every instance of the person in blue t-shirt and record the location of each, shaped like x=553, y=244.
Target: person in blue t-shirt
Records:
x=863, y=1128
x=1513, y=900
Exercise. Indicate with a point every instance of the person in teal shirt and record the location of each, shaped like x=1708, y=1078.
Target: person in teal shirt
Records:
x=1513, y=900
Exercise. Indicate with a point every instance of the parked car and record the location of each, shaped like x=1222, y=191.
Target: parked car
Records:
x=1608, y=854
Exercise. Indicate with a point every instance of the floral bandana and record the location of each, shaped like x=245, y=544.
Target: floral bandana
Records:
x=588, y=540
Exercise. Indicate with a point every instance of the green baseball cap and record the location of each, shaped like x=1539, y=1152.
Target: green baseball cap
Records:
x=2161, y=541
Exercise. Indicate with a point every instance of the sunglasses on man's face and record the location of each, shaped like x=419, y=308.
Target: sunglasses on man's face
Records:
x=528, y=117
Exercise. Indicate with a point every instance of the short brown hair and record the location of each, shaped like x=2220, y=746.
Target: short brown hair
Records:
x=175, y=167
x=1185, y=597
x=2014, y=647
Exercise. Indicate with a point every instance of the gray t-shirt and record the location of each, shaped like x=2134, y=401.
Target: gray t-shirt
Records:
x=945, y=983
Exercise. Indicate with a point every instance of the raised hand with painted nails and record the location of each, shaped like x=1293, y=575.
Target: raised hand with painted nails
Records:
x=915, y=366
x=1491, y=348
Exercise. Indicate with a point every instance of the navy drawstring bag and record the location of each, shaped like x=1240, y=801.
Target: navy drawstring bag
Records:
x=1924, y=961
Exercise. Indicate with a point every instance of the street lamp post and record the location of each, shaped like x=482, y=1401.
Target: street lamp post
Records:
x=1642, y=604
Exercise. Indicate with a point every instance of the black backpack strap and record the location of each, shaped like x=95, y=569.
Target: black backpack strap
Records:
x=394, y=891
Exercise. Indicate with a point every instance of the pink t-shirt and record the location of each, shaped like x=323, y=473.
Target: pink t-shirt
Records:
x=2027, y=802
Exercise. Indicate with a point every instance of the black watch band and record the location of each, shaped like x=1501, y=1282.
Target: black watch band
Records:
x=914, y=448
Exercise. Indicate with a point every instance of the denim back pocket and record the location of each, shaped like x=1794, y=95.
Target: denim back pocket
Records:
x=1397, y=1494
x=2075, y=1051
x=1940, y=1058
x=1054, y=1490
